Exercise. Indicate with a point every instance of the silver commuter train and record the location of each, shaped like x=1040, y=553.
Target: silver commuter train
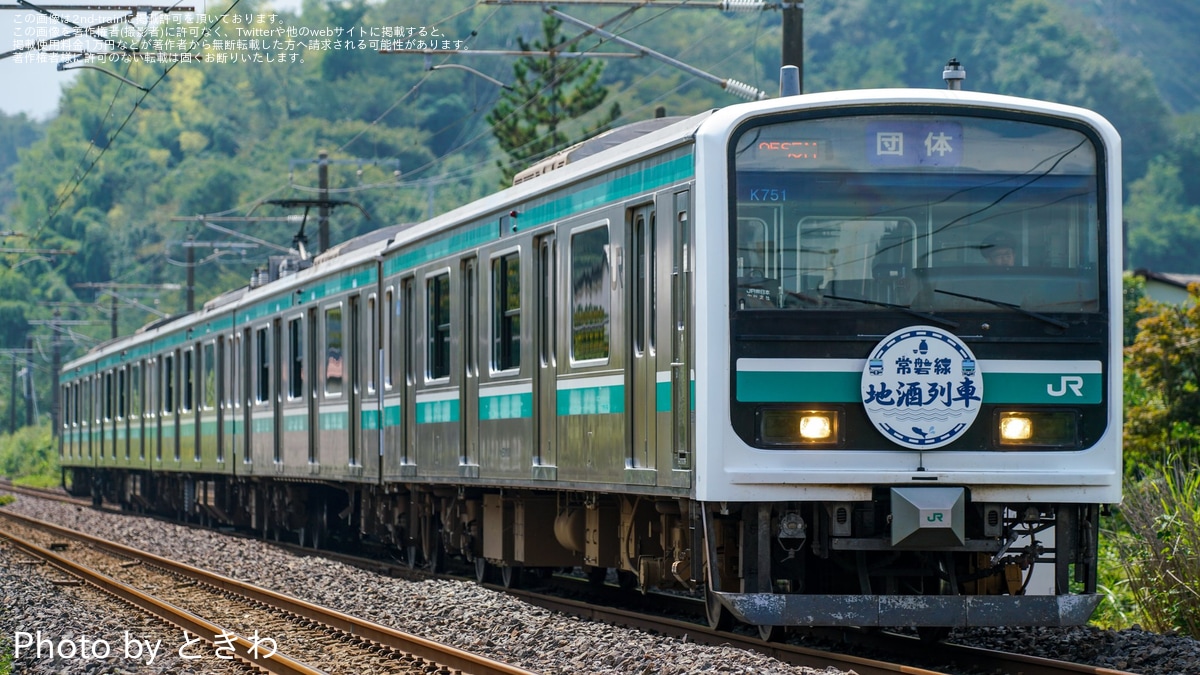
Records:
x=765, y=352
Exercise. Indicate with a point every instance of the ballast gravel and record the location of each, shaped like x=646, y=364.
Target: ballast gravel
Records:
x=463, y=614
x=457, y=613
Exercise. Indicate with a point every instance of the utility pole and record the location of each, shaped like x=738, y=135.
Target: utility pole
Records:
x=55, y=401
x=324, y=204
x=793, y=37
x=58, y=325
x=12, y=397
x=29, y=400
x=323, y=212
x=191, y=274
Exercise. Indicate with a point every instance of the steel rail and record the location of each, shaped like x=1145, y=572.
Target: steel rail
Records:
x=245, y=650
x=418, y=647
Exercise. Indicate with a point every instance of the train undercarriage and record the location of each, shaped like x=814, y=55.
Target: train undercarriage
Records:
x=767, y=564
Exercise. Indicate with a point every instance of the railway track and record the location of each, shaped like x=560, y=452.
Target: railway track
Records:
x=921, y=658
x=222, y=611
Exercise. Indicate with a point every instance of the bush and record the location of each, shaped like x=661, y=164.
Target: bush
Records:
x=30, y=457
x=1159, y=546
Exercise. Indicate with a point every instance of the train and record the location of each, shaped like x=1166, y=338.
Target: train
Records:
x=764, y=354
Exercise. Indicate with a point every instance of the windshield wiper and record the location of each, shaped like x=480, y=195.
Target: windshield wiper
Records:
x=902, y=308
x=1017, y=308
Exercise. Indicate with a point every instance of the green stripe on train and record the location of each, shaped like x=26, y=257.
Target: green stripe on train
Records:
x=506, y=406
x=600, y=400
x=437, y=412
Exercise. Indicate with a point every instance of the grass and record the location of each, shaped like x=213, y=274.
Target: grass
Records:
x=1154, y=580
x=30, y=457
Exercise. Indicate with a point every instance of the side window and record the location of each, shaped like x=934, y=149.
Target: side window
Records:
x=262, y=390
x=295, y=374
x=334, y=368
x=208, y=376
x=108, y=396
x=506, y=312
x=136, y=409
x=591, y=297
x=122, y=394
x=372, y=352
x=438, y=357
x=153, y=389
x=188, y=386
x=391, y=337
x=168, y=386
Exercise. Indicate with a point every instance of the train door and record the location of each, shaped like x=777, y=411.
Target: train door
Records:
x=298, y=420
x=103, y=421
x=153, y=406
x=408, y=404
x=679, y=328
x=311, y=391
x=216, y=399
x=372, y=400
x=393, y=379
x=191, y=400
x=245, y=395
x=171, y=403
x=123, y=414
x=642, y=349
x=546, y=381
x=274, y=393
x=468, y=413
x=262, y=446
x=354, y=380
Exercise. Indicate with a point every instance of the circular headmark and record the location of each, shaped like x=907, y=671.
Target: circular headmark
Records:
x=921, y=387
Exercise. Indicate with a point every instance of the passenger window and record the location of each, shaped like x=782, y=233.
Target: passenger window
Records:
x=334, y=361
x=591, y=297
x=168, y=393
x=506, y=312
x=296, y=360
x=208, y=379
x=262, y=393
x=438, y=307
x=188, y=384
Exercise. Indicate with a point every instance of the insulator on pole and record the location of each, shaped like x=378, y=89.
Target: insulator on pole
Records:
x=743, y=6
x=743, y=90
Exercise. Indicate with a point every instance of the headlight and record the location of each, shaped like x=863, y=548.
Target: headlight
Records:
x=1037, y=428
x=799, y=428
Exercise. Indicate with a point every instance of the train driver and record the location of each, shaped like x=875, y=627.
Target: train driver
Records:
x=999, y=249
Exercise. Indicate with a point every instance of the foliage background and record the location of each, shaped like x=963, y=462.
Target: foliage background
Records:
x=119, y=176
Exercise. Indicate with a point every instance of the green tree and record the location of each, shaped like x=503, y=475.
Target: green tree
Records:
x=1164, y=382
x=548, y=93
x=1034, y=48
x=1164, y=230
x=1133, y=289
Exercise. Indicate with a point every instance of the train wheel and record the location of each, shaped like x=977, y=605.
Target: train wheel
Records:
x=719, y=618
x=511, y=576
x=771, y=633
x=485, y=572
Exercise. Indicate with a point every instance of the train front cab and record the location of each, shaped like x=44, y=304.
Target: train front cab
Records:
x=903, y=423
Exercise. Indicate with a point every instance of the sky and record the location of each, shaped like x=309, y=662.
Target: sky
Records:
x=32, y=87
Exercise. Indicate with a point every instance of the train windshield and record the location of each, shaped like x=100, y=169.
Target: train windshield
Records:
x=935, y=213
